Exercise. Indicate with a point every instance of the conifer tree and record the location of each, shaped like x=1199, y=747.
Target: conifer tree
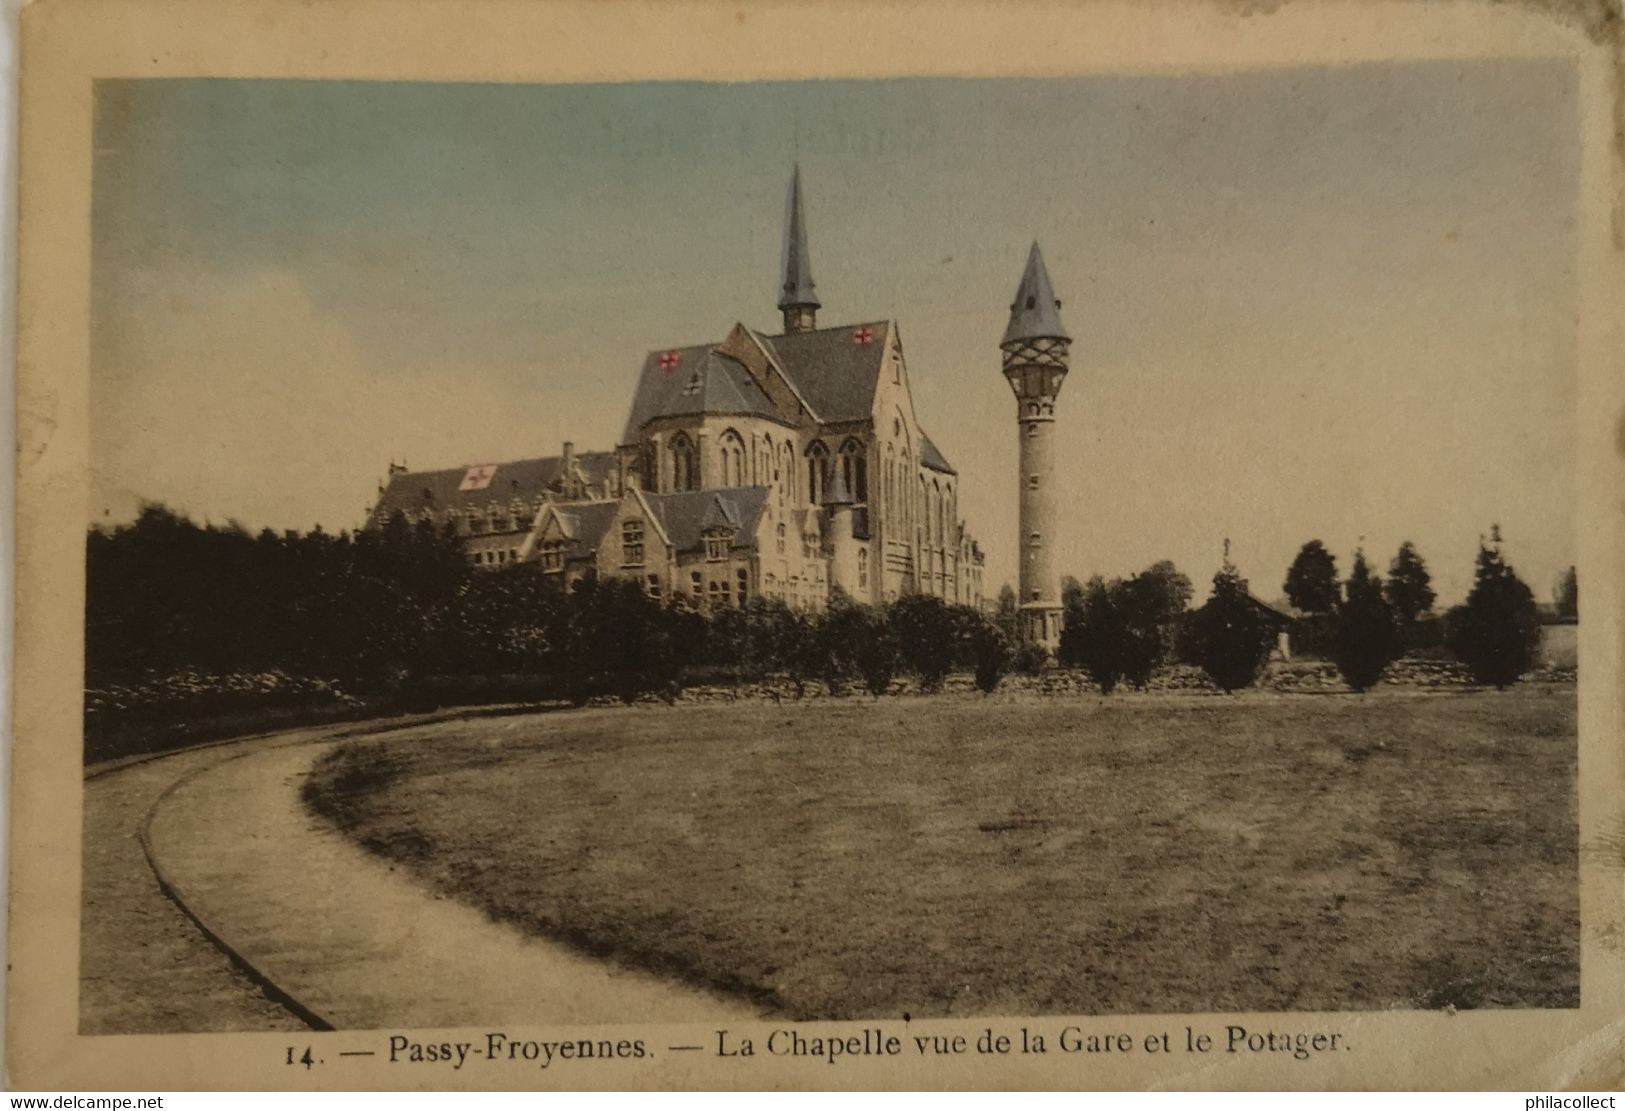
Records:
x=1409, y=589
x=1497, y=633
x=1230, y=636
x=1366, y=638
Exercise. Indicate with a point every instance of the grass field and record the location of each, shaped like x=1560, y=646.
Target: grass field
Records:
x=850, y=859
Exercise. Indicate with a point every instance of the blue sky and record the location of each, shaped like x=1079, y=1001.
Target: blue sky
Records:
x=1330, y=302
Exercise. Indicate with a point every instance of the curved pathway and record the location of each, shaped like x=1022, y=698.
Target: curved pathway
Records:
x=352, y=941
x=143, y=966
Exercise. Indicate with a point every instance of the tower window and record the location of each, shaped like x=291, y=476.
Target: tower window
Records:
x=1034, y=541
x=1032, y=482
x=1032, y=430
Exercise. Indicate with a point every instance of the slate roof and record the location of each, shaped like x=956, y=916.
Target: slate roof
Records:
x=931, y=457
x=1035, y=313
x=411, y=492
x=1276, y=616
x=584, y=523
x=833, y=371
x=685, y=515
x=698, y=380
x=797, y=288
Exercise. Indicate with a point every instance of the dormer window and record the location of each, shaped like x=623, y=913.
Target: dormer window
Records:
x=717, y=542
x=553, y=555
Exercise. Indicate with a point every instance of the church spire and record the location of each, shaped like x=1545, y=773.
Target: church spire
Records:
x=797, y=299
x=1035, y=313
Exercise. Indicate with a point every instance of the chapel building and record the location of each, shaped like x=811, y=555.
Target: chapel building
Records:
x=786, y=465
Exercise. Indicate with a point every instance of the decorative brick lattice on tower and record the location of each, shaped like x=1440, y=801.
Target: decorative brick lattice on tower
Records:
x=1035, y=348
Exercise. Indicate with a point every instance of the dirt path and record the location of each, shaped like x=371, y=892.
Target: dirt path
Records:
x=144, y=967
x=359, y=944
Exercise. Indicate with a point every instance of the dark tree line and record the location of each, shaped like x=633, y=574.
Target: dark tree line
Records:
x=386, y=609
x=1368, y=623
x=1124, y=630
x=163, y=593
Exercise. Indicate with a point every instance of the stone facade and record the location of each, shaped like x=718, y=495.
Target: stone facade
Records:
x=818, y=474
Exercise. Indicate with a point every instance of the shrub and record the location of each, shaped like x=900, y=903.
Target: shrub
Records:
x=1029, y=659
x=1093, y=633
x=1124, y=630
x=857, y=641
x=925, y=631
x=990, y=655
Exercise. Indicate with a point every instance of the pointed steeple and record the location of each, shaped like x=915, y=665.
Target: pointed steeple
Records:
x=797, y=299
x=1035, y=313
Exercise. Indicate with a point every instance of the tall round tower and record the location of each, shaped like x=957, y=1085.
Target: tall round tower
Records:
x=1035, y=347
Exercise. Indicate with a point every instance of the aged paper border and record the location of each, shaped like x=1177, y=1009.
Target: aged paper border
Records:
x=67, y=43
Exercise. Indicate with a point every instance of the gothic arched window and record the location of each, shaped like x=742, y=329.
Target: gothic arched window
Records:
x=889, y=485
x=817, y=471
x=685, y=470
x=855, y=471
x=732, y=449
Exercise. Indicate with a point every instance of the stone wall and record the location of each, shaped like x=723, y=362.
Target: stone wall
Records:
x=1295, y=677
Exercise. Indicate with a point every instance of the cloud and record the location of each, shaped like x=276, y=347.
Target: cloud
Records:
x=235, y=396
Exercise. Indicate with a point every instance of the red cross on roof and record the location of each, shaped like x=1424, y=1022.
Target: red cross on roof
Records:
x=669, y=361
x=863, y=336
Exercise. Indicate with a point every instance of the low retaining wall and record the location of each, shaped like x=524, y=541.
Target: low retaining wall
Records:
x=1299, y=676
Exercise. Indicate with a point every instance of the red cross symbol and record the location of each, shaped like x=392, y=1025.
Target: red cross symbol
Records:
x=669, y=361
x=863, y=336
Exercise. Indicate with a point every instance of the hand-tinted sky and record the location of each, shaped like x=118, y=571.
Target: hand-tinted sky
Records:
x=1333, y=302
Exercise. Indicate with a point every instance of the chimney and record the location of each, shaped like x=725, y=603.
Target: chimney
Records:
x=569, y=459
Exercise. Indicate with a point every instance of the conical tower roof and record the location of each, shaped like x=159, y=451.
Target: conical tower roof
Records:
x=796, y=291
x=1035, y=313
x=835, y=494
